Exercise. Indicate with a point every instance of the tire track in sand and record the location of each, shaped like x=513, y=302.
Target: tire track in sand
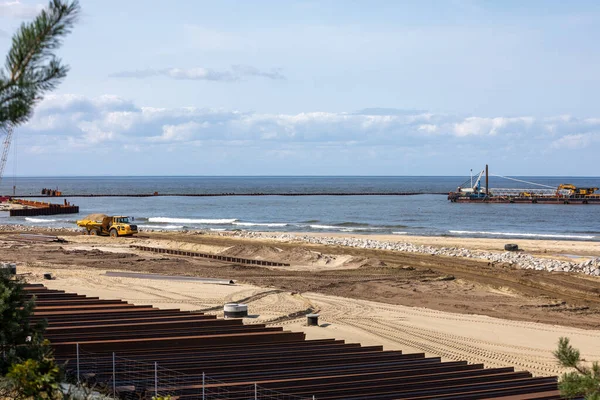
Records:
x=395, y=326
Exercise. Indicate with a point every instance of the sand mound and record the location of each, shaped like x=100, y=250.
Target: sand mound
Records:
x=95, y=217
x=302, y=258
x=300, y=255
x=362, y=262
x=270, y=253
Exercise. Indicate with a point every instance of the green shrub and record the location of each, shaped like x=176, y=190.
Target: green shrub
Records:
x=36, y=380
x=583, y=381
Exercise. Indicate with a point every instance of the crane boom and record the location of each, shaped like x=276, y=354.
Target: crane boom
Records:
x=5, y=147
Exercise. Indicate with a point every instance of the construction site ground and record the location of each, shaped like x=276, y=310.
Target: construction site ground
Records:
x=456, y=308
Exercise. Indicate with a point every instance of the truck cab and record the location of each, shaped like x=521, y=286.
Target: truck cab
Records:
x=118, y=226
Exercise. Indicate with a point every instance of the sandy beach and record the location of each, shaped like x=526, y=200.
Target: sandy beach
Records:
x=450, y=307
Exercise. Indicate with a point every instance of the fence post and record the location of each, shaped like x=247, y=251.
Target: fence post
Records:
x=114, y=377
x=255, y=391
x=77, y=345
x=155, y=379
x=203, y=386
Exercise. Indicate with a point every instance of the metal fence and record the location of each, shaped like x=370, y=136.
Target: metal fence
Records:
x=128, y=379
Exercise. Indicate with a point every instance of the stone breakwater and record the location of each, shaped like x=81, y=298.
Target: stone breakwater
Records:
x=517, y=258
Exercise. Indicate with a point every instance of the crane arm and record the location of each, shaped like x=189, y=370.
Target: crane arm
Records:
x=476, y=185
x=8, y=130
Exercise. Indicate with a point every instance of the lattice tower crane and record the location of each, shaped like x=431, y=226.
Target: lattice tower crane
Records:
x=8, y=133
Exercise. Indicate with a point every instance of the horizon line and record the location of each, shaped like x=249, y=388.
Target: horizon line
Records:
x=284, y=176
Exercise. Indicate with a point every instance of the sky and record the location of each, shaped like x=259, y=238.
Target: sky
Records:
x=193, y=87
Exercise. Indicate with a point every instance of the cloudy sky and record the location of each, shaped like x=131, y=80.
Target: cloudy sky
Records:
x=327, y=87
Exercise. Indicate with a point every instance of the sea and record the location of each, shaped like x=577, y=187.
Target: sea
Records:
x=428, y=213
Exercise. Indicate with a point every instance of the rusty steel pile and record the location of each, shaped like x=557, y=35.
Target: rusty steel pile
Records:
x=42, y=208
x=237, y=260
x=137, y=351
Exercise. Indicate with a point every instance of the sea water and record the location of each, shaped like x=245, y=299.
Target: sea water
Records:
x=423, y=214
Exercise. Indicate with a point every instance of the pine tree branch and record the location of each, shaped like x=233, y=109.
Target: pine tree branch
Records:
x=32, y=68
x=54, y=23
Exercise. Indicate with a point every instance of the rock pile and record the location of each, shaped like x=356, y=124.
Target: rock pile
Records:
x=33, y=229
x=517, y=259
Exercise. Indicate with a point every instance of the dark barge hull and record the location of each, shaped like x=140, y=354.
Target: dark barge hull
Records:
x=526, y=200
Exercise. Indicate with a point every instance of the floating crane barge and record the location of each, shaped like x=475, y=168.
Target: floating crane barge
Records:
x=542, y=194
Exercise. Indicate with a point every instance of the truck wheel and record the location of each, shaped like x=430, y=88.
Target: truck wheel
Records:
x=94, y=232
x=114, y=233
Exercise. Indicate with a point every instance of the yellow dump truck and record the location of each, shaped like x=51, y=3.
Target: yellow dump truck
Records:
x=101, y=224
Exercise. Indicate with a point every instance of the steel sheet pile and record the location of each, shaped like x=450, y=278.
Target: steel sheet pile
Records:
x=137, y=351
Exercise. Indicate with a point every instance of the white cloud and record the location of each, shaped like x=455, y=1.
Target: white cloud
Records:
x=490, y=126
x=234, y=73
x=428, y=128
x=178, y=133
x=66, y=122
x=576, y=141
x=16, y=9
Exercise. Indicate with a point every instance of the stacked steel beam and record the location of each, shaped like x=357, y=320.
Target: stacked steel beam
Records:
x=210, y=355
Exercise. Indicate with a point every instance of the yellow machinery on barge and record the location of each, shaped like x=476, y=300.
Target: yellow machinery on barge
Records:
x=565, y=193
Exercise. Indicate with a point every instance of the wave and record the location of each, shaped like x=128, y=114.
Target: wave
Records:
x=324, y=227
x=218, y=229
x=541, y=235
x=273, y=224
x=352, y=224
x=39, y=220
x=192, y=220
x=311, y=221
x=161, y=226
x=344, y=228
x=361, y=229
x=400, y=233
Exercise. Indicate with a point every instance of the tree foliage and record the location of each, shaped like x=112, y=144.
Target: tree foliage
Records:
x=36, y=379
x=583, y=381
x=19, y=338
x=31, y=67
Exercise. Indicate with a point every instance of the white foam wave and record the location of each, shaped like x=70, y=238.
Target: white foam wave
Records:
x=400, y=233
x=39, y=220
x=191, y=220
x=324, y=227
x=360, y=229
x=218, y=229
x=541, y=235
x=273, y=224
x=161, y=226
x=344, y=228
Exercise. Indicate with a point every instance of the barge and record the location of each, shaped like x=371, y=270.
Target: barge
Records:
x=542, y=194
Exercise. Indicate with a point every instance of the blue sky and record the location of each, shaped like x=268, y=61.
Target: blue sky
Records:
x=319, y=88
